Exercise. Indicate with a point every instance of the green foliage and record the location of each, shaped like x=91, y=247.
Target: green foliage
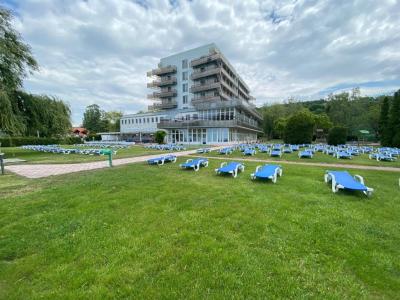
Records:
x=279, y=126
x=16, y=57
x=159, y=136
x=93, y=119
x=23, y=113
x=31, y=140
x=299, y=128
x=113, y=120
x=337, y=135
x=394, y=121
x=384, y=131
x=322, y=121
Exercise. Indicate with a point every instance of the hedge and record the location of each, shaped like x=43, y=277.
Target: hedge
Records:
x=27, y=140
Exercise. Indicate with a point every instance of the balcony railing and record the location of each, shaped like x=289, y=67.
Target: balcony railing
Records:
x=205, y=87
x=206, y=72
x=205, y=59
x=162, y=94
x=169, y=124
x=163, y=105
x=162, y=82
x=162, y=70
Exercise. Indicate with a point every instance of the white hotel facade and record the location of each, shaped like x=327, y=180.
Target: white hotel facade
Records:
x=197, y=97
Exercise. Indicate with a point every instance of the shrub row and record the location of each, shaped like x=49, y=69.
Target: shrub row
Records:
x=27, y=140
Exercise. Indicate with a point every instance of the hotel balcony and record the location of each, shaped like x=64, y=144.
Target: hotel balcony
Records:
x=162, y=70
x=206, y=72
x=163, y=105
x=205, y=59
x=162, y=82
x=162, y=94
x=205, y=87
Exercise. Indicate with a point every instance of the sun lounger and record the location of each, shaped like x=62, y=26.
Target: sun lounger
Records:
x=275, y=153
x=230, y=168
x=226, y=151
x=343, y=180
x=195, y=164
x=267, y=172
x=249, y=151
x=306, y=154
x=343, y=154
x=161, y=160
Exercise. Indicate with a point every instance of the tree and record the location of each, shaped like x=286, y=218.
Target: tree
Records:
x=299, y=128
x=113, y=119
x=159, y=136
x=323, y=122
x=93, y=119
x=394, y=120
x=16, y=59
x=337, y=135
x=385, y=135
x=279, y=126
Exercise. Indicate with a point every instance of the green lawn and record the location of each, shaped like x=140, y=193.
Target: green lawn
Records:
x=148, y=232
x=42, y=157
x=318, y=158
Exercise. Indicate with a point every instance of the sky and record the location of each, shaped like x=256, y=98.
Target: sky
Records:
x=98, y=51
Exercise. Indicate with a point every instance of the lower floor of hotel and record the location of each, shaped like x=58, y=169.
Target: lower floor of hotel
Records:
x=210, y=135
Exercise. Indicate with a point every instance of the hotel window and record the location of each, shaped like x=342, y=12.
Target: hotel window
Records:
x=152, y=120
x=185, y=99
x=184, y=75
x=184, y=64
x=148, y=120
x=184, y=87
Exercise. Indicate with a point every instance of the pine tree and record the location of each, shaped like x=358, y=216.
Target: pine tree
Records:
x=394, y=120
x=385, y=134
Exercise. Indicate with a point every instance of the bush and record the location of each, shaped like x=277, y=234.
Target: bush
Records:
x=91, y=137
x=20, y=141
x=159, y=136
x=337, y=135
x=31, y=140
x=299, y=128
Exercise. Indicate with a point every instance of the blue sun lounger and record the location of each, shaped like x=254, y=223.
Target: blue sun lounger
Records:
x=343, y=180
x=195, y=164
x=343, y=154
x=249, y=151
x=232, y=168
x=226, y=151
x=275, y=153
x=161, y=160
x=382, y=156
x=203, y=150
x=306, y=154
x=267, y=172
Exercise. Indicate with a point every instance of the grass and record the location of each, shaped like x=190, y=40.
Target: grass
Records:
x=42, y=157
x=149, y=232
x=318, y=158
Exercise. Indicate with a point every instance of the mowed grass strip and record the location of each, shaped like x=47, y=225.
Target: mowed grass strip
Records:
x=159, y=232
x=319, y=157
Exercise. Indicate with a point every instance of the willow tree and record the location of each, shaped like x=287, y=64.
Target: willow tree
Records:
x=16, y=61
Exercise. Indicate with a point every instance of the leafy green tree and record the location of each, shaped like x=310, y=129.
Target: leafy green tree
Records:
x=299, y=128
x=16, y=59
x=394, y=120
x=337, y=135
x=113, y=120
x=384, y=131
x=93, y=119
x=279, y=126
x=159, y=136
x=323, y=122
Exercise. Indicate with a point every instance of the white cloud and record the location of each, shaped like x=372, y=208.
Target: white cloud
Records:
x=99, y=51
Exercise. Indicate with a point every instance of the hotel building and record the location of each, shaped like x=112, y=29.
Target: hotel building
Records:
x=196, y=97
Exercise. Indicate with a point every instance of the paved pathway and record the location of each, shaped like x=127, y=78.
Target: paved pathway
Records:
x=46, y=170
x=327, y=165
